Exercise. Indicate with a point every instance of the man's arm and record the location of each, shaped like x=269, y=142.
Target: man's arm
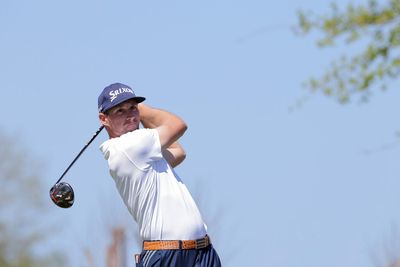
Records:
x=174, y=154
x=170, y=127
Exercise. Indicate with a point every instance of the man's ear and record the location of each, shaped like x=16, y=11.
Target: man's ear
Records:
x=103, y=119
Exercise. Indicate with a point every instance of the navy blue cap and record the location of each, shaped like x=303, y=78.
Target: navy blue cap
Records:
x=115, y=94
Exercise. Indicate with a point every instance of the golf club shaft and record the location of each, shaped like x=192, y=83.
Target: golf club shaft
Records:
x=80, y=153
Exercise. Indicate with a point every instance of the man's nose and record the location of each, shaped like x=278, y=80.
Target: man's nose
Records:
x=132, y=113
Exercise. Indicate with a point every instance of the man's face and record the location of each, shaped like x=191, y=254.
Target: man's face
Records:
x=121, y=119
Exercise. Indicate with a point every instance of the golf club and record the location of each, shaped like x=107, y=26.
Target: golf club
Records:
x=62, y=193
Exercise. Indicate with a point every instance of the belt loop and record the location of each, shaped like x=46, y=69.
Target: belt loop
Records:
x=180, y=244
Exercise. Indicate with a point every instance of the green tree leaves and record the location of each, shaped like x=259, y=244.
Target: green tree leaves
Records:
x=376, y=28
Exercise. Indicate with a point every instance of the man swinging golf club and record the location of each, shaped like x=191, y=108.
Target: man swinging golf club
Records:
x=141, y=162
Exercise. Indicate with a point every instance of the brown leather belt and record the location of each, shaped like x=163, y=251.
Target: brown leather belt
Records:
x=177, y=244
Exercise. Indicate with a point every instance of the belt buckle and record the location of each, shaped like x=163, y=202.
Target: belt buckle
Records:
x=202, y=243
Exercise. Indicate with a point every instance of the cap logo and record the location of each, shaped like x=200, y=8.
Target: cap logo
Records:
x=115, y=93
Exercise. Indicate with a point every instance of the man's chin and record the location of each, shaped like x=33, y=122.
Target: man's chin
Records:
x=132, y=128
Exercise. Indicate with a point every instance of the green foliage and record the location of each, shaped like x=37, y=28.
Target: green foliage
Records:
x=377, y=26
x=22, y=209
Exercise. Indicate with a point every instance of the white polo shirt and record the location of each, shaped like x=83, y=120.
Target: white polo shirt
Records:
x=154, y=194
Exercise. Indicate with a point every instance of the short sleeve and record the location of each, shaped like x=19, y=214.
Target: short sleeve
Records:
x=141, y=147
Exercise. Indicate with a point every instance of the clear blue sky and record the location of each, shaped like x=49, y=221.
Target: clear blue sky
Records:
x=315, y=186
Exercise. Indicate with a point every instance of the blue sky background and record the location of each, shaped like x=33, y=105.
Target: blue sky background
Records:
x=278, y=186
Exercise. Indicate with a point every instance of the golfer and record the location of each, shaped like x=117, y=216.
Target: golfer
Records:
x=141, y=162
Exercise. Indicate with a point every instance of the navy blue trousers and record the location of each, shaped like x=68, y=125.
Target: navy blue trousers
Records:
x=206, y=257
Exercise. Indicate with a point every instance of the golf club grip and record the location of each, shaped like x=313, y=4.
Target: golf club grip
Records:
x=80, y=153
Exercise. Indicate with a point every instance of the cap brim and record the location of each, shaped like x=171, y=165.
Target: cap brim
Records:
x=138, y=100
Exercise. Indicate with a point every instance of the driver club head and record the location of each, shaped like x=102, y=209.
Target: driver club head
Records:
x=62, y=195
